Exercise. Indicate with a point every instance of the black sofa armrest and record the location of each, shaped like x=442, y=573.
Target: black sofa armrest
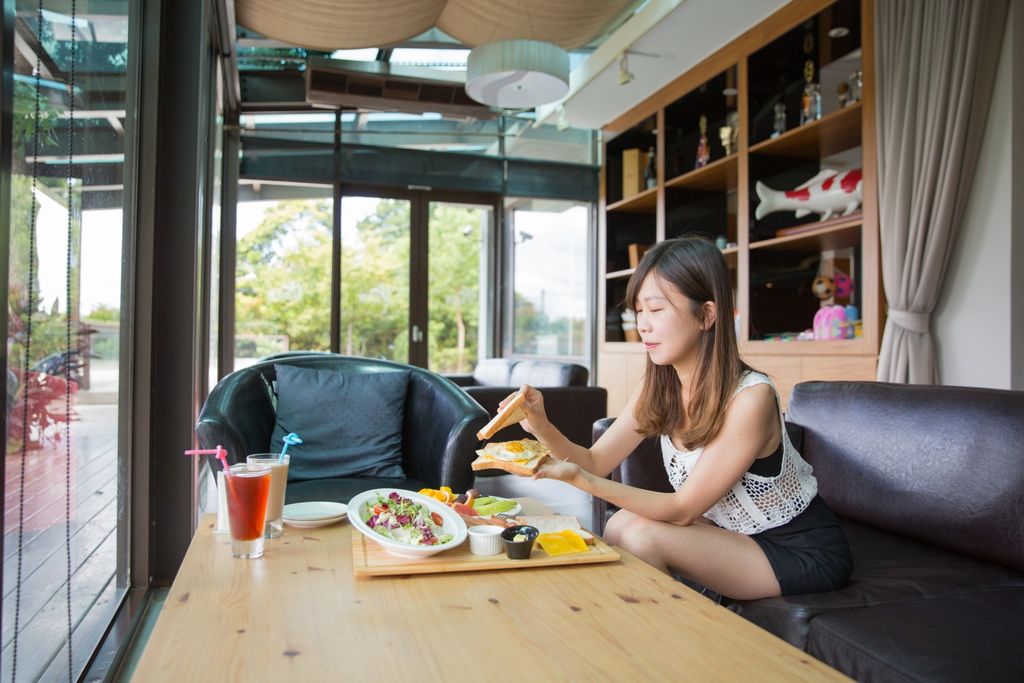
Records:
x=439, y=435
x=571, y=409
x=238, y=415
x=643, y=468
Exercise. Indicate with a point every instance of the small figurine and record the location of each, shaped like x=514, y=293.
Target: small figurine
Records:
x=823, y=287
x=779, y=125
x=703, y=149
x=843, y=94
x=810, y=103
x=827, y=193
x=732, y=119
x=725, y=135
x=855, y=85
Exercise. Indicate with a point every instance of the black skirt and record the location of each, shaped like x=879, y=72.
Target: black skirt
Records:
x=809, y=554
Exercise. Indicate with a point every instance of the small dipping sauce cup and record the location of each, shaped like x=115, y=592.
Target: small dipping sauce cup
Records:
x=485, y=539
x=519, y=549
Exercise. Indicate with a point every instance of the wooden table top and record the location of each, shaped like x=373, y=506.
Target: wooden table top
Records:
x=300, y=614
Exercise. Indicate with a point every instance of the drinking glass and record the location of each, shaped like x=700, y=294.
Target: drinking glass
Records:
x=248, y=487
x=278, y=483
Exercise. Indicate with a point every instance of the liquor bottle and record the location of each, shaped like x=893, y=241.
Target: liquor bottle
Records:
x=810, y=103
x=703, y=149
x=779, y=125
x=650, y=173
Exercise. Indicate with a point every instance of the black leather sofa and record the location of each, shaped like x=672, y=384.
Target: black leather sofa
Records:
x=438, y=433
x=571, y=405
x=928, y=483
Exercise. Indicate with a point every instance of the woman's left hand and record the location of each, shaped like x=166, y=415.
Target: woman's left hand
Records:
x=568, y=472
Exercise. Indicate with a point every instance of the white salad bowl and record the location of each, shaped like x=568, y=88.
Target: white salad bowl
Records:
x=453, y=524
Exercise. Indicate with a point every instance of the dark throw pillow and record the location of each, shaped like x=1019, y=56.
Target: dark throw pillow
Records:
x=350, y=424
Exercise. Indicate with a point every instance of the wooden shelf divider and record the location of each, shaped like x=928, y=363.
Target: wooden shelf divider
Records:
x=832, y=133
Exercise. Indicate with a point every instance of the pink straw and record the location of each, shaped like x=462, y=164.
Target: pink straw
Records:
x=220, y=452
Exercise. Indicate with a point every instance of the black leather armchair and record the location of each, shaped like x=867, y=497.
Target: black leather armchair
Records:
x=438, y=436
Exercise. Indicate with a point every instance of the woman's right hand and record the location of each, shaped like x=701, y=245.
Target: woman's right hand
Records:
x=536, y=421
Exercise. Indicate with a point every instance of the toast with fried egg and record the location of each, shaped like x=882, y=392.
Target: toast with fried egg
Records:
x=521, y=457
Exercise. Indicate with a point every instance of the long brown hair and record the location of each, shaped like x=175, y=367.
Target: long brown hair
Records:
x=696, y=269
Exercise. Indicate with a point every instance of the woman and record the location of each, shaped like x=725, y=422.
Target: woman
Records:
x=745, y=519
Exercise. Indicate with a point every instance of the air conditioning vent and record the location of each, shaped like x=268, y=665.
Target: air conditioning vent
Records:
x=379, y=86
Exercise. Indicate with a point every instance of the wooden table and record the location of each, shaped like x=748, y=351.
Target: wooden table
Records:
x=299, y=614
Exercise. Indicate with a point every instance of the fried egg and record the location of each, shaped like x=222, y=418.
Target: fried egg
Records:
x=513, y=451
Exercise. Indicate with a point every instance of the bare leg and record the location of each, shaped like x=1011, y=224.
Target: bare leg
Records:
x=726, y=562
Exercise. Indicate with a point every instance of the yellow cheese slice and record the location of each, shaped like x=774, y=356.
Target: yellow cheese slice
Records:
x=562, y=542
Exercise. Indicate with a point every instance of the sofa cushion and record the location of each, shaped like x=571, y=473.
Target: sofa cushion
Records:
x=343, y=490
x=887, y=569
x=546, y=373
x=940, y=464
x=956, y=638
x=350, y=424
x=493, y=372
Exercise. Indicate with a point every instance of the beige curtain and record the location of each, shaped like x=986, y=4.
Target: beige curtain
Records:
x=936, y=62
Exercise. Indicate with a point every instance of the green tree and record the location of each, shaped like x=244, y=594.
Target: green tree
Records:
x=283, y=280
x=456, y=238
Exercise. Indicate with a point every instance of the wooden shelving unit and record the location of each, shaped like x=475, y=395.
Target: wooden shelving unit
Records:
x=718, y=176
x=831, y=134
x=643, y=202
x=738, y=86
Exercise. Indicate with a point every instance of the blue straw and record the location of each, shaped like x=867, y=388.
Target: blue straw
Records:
x=289, y=440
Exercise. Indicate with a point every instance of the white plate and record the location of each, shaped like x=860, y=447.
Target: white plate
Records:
x=511, y=512
x=453, y=524
x=314, y=513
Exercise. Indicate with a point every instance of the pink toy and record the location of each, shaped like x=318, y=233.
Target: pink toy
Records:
x=843, y=284
x=830, y=323
x=827, y=193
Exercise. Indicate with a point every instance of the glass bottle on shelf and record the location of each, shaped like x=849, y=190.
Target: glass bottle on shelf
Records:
x=779, y=124
x=810, y=103
x=650, y=173
x=703, y=149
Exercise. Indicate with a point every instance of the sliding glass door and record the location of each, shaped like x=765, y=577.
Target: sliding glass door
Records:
x=415, y=269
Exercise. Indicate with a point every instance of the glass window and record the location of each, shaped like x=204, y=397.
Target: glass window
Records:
x=375, y=275
x=64, y=497
x=457, y=284
x=550, y=277
x=283, y=271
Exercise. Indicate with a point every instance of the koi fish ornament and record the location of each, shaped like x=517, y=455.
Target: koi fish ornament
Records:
x=828, y=193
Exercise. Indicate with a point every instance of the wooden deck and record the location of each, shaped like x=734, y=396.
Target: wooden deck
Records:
x=42, y=626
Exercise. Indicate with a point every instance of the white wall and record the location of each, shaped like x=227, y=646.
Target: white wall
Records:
x=974, y=322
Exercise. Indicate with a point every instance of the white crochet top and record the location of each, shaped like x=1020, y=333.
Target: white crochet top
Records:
x=754, y=503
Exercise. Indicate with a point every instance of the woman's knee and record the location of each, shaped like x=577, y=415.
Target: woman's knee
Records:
x=615, y=526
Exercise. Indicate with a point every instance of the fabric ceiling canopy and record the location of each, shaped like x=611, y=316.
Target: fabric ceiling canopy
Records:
x=349, y=24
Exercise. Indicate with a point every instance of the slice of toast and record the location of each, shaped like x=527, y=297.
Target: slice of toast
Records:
x=524, y=468
x=509, y=415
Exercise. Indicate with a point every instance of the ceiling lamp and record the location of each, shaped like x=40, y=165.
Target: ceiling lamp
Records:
x=517, y=74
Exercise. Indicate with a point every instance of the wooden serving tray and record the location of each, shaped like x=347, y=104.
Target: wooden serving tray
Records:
x=369, y=559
